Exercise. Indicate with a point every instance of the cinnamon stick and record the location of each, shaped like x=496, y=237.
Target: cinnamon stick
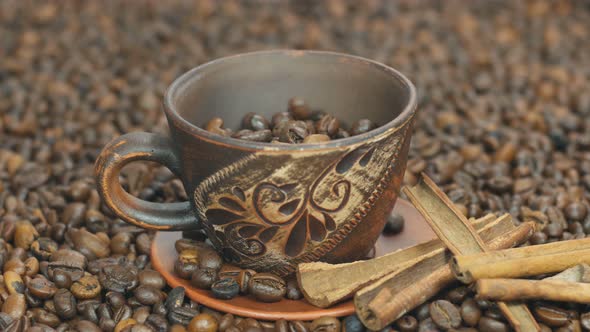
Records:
x=453, y=229
x=522, y=262
x=396, y=294
x=502, y=289
x=324, y=284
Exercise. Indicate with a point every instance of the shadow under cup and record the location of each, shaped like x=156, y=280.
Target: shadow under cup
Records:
x=268, y=206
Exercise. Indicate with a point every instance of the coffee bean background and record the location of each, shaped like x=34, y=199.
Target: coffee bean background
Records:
x=503, y=127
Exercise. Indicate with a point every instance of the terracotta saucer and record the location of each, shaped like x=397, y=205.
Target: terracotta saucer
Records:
x=164, y=255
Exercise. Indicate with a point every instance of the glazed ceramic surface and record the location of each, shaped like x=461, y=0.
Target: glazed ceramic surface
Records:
x=268, y=206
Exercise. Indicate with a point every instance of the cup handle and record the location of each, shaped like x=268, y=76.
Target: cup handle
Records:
x=149, y=147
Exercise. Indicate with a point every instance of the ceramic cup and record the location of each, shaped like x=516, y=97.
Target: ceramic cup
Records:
x=269, y=206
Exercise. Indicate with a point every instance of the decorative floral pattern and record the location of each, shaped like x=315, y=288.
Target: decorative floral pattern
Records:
x=282, y=214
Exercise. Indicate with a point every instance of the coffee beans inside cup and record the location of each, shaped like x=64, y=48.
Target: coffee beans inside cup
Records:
x=299, y=124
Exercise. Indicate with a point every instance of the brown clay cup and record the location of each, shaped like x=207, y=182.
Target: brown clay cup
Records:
x=269, y=206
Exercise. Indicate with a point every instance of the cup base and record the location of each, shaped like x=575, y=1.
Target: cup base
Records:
x=163, y=256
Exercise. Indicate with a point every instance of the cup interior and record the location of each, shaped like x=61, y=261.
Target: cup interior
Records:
x=348, y=87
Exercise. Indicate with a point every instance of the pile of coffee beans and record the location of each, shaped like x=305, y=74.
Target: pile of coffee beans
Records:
x=299, y=124
x=503, y=126
x=204, y=267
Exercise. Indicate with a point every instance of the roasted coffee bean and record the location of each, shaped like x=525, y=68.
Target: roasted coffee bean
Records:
x=327, y=125
x=280, y=118
x=226, y=321
x=293, y=292
x=445, y=314
x=575, y=211
x=225, y=289
x=107, y=324
x=184, y=268
x=43, y=248
x=362, y=126
x=457, y=295
x=215, y=126
x=281, y=325
x=41, y=288
x=203, y=323
x=175, y=298
x=31, y=266
x=43, y=317
x=352, y=324
x=203, y=278
x=487, y=324
x=229, y=271
x=423, y=311
x=65, y=304
x=5, y=320
x=394, y=224
x=407, y=323
x=243, y=280
x=293, y=132
x=494, y=312
x=16, y=265
x=552, y=316
x=13, y=283
x=325, y=324
x=572, y=326
x=209, y=259
x=310, y=128
x=122, y=325
x=341, y=133
x=160, y=307
x=316, y=138
x=115, y=299
x=147, y=295
x=96, y=222
x=177, y=328
x=428, y=325
x=62, y=279
x=120, y=243
x=87, y=287
x=538, y=237
x=140, y=314
x=157, y=322
x=73, y=215
x=24, y=234
x=264, y=135
x=90, y=245
x=297, y=326
x=119, y=277
x=122, y=313
x=151, y=278
x=182, y=315
x=7, y=228
x=470, y=312
x=84, y=325
x=190, y=244
x=15, y=306
x=267, y=287
x=254, y=122
x=554, y=230
x=18, y=253
x=88, y=310
x=32, y=301
x=299, y=108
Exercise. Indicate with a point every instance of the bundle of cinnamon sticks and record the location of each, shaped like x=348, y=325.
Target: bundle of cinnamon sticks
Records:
x=387, y=287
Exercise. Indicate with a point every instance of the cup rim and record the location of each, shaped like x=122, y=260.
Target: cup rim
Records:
x=392, y=125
